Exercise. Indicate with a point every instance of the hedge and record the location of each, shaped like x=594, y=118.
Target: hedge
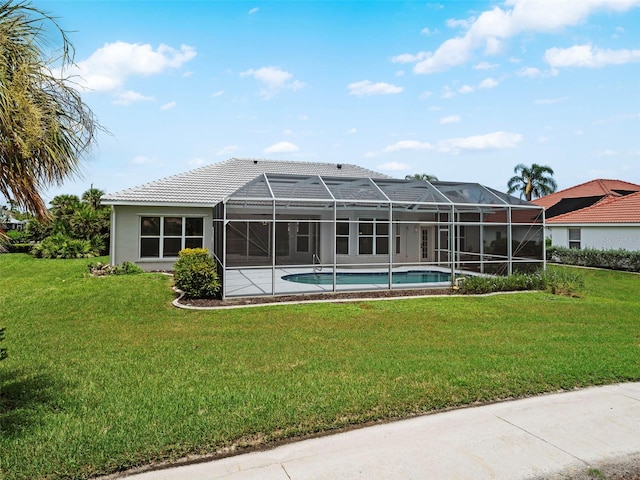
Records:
x=591, y=257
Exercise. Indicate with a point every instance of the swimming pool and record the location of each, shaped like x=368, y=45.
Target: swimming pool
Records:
x=348, y=278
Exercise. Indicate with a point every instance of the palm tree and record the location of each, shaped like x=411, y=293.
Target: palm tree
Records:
x=45, y=127
x=532, y=182
x=422, y=176
x=93, y=197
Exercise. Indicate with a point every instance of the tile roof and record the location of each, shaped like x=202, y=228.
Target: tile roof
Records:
x=210, y=184
x=594, y=188
x=611, y=209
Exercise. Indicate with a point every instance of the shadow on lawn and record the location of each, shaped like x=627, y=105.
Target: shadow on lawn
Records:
x=22, y=394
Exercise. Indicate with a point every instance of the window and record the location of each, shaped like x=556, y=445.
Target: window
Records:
x=574, y=238
x=342, y=236
x=302, y=237
x=373, y=236
x=164, y=237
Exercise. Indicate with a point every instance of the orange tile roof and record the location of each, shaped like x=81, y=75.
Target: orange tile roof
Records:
x=611, y=209
x=594, y=188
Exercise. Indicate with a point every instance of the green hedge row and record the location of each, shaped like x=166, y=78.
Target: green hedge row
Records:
x=558, y=282
x=591, y=257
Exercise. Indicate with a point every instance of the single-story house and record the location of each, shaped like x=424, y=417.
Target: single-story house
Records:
x=277, y=227
x=600, y=214
x=8, y=222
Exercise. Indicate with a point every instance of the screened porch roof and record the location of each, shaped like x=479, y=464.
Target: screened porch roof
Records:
x=320, y=189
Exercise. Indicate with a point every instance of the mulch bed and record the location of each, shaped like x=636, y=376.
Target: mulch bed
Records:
x=342, y=296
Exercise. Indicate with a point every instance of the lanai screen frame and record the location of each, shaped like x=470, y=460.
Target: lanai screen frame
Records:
x=275, y=192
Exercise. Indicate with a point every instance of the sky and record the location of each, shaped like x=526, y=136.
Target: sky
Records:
x=463, y=90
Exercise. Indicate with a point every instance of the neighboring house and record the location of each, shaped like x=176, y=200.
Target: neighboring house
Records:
x=600, y=214
x=265, y=222
x=7, y=222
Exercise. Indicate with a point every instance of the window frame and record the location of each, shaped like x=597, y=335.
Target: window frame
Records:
x=575, y=243
x=162, y=237
x=342, y=222
x=375, y=235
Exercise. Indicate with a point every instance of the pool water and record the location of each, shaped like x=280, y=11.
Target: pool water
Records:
x=347, y=278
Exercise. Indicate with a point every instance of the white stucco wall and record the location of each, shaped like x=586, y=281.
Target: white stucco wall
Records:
x=125, y=233
x=604, y=237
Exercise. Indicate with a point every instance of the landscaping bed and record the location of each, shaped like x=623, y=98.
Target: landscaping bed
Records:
x=338, y=296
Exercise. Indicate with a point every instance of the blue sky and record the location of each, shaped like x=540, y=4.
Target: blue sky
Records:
x=463, y=90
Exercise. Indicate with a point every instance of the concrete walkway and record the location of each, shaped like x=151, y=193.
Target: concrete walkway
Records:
x=521, y=439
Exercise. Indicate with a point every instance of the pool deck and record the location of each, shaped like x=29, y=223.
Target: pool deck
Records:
x=249, y=282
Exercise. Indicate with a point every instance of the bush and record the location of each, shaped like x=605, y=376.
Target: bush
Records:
x=17, y=236
x=19, y=247
x=195, y=273
x=557, y=282
x=100, y=269
x=61, y=246
x=563, y=282
x=511, y=283
x=591, y=257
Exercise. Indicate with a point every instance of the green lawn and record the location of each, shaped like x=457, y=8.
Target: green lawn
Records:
x=104, y=374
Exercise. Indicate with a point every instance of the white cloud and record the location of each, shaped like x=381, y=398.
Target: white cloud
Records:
x=400, y=73
x=489, y=30
x=550, y=101
x=427, y=31
x=288, y=132
x=466, y=89
x=128, y=97
x=426, y=94
x=281, y=147
x=485, y=66
x=218, y=93
x=109, y=67
x=488, y=83
x=530, y=72
x=254, y=10
x=409, y=57
x=490, y=141
x=450, y=119
x=168, y=106
x=352, y=131
x=274, y=80
x=588, y=56
x=447, y=92
x=228, y=150
x=407, y=145
x=393, y=167
x=367, y=89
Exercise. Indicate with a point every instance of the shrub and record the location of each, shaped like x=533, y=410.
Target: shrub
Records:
x=59, y=245
x=20, y=247
x=563, y=282
x=591, y=257
x=17, y=236
x=557, y=282
x=195, y=273
x=100, y=269
x=489, y=284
